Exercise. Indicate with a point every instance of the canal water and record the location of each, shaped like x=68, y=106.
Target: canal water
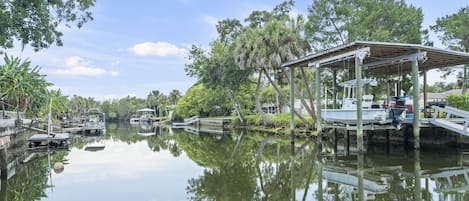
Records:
x=148, y=163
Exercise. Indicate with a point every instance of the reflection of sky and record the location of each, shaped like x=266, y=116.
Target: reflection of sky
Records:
x=123, y=172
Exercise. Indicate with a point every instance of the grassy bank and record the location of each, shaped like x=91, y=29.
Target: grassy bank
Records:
x=280, y=124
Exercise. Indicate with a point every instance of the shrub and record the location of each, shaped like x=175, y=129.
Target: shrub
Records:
x=460, y=101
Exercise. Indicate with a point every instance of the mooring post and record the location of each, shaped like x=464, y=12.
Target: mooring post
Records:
x=292, y=106
x=359, y=57
x=318, y=96
x=425, y=114
x=415, y=105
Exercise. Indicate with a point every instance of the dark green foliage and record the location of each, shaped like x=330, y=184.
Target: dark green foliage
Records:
x=454, y=29
x=334, y=22
x=22, y=85
x=459, y=101
x=36, y=22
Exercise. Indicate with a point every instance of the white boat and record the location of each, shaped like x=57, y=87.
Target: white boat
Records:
x=95, y=122
x=146, y=115
x=348, y=113
x=134, y=119
x=146, y=129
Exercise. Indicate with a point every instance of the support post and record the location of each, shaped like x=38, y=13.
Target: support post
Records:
x=415, y=106
x=388, y=93
x=318, y=96
x=367, y=88
x=334, y=89
x=292, y=104
x=358, y=78
x=425, y=114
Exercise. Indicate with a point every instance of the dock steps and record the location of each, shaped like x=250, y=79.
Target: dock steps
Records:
x=448, y=123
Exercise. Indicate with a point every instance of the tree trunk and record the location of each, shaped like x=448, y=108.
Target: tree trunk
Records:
x=292, y=107
x=258, y=104
x=310, y=96
x=303, y=101
x=236, y=106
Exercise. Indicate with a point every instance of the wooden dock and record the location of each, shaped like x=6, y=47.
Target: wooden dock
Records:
x=211, y=122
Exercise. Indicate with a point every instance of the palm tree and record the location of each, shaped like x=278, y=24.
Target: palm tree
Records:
x=266, y=48
x=21, y=85
x=174, y=96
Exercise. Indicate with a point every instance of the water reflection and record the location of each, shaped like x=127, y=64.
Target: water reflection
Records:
x=240, y=165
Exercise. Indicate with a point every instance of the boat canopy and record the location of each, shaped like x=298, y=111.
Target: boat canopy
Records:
x=146, y=110
x=352, y=83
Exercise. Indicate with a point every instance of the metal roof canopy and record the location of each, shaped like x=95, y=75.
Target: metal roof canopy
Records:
x=382, y=58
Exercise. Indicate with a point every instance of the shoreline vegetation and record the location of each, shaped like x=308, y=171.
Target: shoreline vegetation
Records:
x=280, y=125
x=239, y=75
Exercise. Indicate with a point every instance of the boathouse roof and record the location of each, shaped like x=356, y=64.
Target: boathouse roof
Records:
x=382, y=58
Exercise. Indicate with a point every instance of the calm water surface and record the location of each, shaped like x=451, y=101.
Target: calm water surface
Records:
x=144, y=163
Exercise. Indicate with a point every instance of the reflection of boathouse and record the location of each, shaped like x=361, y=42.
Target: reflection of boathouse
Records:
x=388, y=176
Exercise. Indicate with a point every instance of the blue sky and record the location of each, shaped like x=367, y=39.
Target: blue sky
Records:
x=133, y=47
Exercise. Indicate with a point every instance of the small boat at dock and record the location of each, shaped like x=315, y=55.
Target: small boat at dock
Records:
x=371, y=113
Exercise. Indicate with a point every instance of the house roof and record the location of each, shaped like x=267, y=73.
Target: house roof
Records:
x=379, y=51
x=443, y=95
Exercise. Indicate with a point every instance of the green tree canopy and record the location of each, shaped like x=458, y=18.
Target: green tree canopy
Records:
x=455, y=34
x=36, y=22
x=335, y=22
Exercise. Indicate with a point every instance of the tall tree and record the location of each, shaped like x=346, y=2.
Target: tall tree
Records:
x=335, y=22
x=174, y=96
x=266, y=48
x=218, y=70
x=36, y=22
x=455, y=34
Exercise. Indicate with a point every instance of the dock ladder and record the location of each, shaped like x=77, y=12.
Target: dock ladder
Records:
x=451, y=124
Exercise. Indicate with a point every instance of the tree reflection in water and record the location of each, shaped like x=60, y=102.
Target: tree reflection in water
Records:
x=253, y=166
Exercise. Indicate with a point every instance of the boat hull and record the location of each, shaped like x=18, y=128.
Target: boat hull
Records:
x=369, y=116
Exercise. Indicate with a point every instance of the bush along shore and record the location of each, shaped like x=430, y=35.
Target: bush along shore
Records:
x=280, y=125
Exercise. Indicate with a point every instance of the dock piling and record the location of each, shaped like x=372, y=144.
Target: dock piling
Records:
x=358, y=77
x=292, y=105
x=415, y=105
x=318, y=96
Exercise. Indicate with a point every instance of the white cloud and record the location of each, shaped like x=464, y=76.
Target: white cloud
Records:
x=77, y=66
x=114, y=73
x=115, y=63
x=159, y=48
x=210, y=20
